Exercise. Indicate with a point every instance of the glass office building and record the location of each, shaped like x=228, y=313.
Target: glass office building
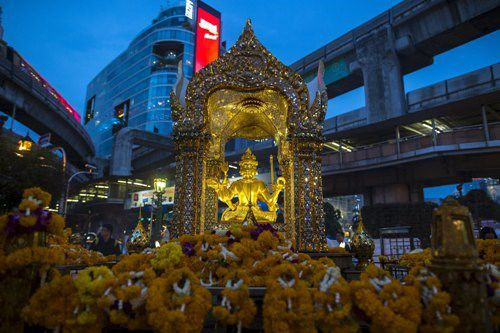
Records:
x=134, y=89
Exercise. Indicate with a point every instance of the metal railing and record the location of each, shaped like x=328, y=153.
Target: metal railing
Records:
x=399, y=148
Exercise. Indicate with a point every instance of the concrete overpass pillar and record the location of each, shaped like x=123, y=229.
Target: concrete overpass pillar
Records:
x=121, y=158
x=383, y=81
x=394, y=193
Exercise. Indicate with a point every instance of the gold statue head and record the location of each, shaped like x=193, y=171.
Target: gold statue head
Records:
x=248, y=165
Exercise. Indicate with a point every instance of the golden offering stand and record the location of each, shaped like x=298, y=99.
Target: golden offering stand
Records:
x=362, y=245
x=248, y=93
x=455, y=261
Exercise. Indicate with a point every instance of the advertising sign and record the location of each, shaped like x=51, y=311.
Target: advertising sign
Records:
x=148, y=197
x=207, y=45
x=189, y=9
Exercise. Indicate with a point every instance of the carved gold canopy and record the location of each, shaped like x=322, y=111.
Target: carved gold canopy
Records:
x=248, y=93
x=249, y=85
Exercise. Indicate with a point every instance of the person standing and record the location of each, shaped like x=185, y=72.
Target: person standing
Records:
x=106, y=244
x=342, y=242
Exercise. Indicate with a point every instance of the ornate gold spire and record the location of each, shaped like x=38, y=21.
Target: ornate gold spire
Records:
x=139, y=239
x=248, y=160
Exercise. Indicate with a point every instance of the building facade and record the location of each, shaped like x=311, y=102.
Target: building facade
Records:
x=134, y=89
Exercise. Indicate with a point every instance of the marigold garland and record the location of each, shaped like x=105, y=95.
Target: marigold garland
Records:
x=332, y=301
x=236, y=308
x=389, y=306
x=91, y=284
x=165, y=289
x=53, y=304
x=126, y=300
x=287, y=304
x=133, y=262
x=489, y=251
x=41, y=257
x=177, y=303
x=436, y=314
x=414, y=259
x=32, y=216
x=167, y=257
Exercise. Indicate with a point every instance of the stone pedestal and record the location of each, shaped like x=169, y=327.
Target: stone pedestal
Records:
x=467, y=287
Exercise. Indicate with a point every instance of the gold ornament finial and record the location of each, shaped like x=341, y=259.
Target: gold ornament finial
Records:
x=248, y=160
x=139, y=239
x=362, y=245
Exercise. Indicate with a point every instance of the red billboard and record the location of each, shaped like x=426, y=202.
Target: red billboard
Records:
x=207, y=47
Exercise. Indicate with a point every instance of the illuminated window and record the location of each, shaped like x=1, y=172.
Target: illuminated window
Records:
x=90, y=109
x=167, y=55
x=121, y=115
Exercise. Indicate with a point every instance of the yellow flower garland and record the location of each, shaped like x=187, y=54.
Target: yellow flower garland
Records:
x=390, y=306
x=489, y=251
x=126, y=300
x=91, y=284
x=416, y=259
x=287, y=304
x=237, y=308
x=177, y=303
x=150, y=289
x=167, y=257
x=332, y=301
x=436, y=314
x=41, y=257
x=53, y=304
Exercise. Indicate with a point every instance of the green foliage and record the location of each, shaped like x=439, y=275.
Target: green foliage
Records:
x=332, y=220
x=481, y=206
x=20, y=170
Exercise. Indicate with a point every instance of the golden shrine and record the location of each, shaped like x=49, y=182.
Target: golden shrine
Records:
x=248, y=93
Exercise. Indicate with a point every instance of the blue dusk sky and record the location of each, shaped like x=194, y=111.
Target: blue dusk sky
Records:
x=69, y=42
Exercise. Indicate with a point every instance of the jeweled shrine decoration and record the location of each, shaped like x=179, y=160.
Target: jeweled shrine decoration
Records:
x=362, y=246
x=248, y=93
x=139, y=239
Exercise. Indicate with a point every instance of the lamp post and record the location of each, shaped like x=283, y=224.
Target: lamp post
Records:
x=159, y=185
x=90, y=170
x=62, y=199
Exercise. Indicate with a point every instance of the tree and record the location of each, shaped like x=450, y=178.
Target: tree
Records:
x=332, y=220
x=481, y=206
x=23, y=169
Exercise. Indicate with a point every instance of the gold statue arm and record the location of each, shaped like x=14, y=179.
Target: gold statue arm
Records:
x=271, y=198
x=225, y=193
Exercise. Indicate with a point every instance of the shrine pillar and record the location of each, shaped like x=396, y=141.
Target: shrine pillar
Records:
x=310, y=234
x=188, y=215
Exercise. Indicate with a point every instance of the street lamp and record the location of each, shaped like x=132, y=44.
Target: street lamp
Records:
x=25, y=143
x=160, y=184
x=62, y=199
x=90, y=169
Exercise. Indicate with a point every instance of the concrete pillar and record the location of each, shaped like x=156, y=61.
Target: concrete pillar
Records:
x=383, y=81
x=394, y=193
x=121, y=158
x=398, y=139
x=485, y=124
